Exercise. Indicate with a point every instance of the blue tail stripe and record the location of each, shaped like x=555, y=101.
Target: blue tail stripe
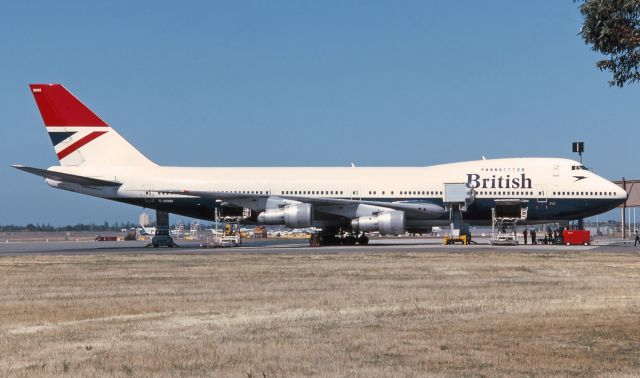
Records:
x=59, y=136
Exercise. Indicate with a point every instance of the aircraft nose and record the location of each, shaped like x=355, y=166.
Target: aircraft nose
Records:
x=619, y=193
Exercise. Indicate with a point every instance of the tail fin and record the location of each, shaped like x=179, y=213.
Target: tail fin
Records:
x=78, y=135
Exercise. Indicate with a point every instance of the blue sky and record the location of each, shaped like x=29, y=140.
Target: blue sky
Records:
x=218, y=83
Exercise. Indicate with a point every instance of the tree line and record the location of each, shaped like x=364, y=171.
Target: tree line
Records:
x=106, y=226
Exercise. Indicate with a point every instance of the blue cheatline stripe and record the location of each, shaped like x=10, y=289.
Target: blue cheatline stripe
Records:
x=59, y=136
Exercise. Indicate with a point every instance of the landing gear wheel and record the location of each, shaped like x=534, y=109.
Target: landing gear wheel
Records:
x=328, y=239
x=332, y=240
x=363, y=240
x=349, y=240
x=314, y=241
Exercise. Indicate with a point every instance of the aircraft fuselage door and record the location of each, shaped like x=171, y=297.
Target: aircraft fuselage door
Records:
x=149, y=195
x=541, y=193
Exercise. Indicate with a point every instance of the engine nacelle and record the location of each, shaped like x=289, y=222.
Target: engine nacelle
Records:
x=387, y=223
x=292, y=216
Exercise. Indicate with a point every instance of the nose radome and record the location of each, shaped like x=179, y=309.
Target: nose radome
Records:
x=619, y=192
x=622, y=193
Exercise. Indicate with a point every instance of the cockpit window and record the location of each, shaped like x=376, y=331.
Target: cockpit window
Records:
x=579, y=167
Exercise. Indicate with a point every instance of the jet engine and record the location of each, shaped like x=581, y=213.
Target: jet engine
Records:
x=387, y=223
x=292, y=216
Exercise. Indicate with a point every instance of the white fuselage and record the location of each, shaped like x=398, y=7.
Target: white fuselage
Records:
x=562, y=187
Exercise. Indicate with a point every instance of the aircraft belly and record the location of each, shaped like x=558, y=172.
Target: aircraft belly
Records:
x=478, y=213
x=199, y=208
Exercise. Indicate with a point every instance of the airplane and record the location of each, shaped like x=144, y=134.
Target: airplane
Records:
x=97, y=161
x=147, y=230
x=151, y=231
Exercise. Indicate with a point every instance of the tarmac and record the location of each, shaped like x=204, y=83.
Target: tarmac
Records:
x=283, y=246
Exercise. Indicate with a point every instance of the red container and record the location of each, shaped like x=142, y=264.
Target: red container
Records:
x=106, y=238
x=576, y=237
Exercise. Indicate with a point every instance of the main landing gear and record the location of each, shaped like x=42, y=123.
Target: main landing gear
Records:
x=162, y=238
x=326, y=238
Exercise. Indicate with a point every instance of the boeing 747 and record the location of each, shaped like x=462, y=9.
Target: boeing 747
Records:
x=95, y=160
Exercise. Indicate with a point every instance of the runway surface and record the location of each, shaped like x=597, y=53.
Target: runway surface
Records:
x=279, y=246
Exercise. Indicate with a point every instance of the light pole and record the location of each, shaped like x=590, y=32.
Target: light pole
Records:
x=579, y=148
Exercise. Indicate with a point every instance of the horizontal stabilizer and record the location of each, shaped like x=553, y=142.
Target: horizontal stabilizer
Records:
x=66, y=177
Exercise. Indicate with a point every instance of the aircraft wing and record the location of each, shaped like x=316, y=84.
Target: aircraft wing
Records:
x=66, y=177
x=427, y=210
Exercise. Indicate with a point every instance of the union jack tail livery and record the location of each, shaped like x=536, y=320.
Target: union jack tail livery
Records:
x=78, y=135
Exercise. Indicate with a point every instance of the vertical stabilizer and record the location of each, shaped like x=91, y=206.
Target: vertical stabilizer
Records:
x=78, y=135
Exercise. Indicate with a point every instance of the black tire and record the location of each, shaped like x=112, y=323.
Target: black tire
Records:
x=349, y=240
x=363, y=240
x=330, y=240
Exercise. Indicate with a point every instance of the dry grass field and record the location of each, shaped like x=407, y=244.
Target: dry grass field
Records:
x=360, y=315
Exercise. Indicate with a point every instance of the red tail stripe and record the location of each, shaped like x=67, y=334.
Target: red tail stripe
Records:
x=59, y=107
x=79, y=143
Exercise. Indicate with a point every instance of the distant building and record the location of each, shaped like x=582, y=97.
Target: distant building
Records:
x=144, y=219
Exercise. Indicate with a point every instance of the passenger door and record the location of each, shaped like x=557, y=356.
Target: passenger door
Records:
x=541, y=193
x=149, y=195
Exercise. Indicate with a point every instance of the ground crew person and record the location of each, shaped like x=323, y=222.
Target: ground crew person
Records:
x=637, y=239
x=533, y=237
x=525, y=233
